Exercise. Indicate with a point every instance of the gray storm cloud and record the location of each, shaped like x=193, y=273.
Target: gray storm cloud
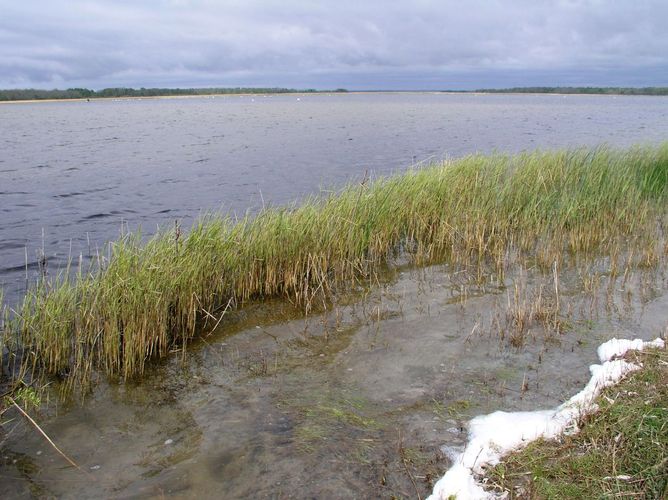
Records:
x=357, y=44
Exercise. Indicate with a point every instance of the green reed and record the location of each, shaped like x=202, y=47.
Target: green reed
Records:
x=146, y=298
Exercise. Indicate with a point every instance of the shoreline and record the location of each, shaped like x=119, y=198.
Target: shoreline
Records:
x=153, y=97
x=620, y=449
x=494, y=436
x=350, y=92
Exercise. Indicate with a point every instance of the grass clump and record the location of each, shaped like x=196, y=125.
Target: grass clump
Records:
x=141, y=300
x=621, y=451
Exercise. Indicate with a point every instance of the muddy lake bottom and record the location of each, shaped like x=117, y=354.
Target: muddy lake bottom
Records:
x=363, y=398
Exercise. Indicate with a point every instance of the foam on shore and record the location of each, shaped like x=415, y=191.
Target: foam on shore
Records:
x=494, y=435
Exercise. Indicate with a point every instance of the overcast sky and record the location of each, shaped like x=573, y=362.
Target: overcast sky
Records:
x=356, y=44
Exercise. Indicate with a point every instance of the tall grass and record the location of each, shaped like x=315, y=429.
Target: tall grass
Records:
x=144, y=299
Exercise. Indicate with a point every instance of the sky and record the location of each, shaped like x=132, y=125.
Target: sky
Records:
x=353, y=44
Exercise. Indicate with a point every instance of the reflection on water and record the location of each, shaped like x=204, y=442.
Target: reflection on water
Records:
x=71, y=173
x=361, y=401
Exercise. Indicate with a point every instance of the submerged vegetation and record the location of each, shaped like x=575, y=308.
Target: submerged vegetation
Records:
x=621, y=450
x=141, y=300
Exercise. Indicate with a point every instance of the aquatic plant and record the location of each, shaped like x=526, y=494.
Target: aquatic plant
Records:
x=143, y=299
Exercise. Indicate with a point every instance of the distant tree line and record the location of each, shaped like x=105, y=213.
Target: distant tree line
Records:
x=80, y=93
x=582, y=90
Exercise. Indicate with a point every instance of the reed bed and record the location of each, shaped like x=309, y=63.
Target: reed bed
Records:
x=144, y=299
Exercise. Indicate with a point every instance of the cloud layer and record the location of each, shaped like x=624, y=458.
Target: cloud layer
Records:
x=416, y=44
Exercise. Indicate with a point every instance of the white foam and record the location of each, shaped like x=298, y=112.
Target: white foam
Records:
x=494, y=435
x=614, y=348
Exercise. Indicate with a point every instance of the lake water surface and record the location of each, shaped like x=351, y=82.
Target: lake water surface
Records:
x=71, y=173
x=362, y=399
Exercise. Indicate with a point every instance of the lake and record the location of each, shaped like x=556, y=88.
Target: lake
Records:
x=365, y=396
x=73, y=173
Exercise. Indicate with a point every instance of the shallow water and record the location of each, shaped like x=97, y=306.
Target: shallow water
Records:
x=361, y=401
x=72, y=172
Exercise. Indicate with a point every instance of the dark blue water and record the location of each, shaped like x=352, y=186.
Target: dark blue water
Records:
x=73, y=173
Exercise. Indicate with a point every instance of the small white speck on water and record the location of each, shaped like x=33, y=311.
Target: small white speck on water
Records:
x=169, y=441
x=39, y=452
x=94, y=467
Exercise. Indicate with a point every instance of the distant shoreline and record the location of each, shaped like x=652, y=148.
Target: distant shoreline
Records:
x=83, y=94
x=146, y=98
x=330, y=92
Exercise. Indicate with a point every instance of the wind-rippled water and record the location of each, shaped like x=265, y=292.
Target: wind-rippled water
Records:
x=71, y=173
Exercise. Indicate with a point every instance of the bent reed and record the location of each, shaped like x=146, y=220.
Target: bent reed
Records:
x=147, y=298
